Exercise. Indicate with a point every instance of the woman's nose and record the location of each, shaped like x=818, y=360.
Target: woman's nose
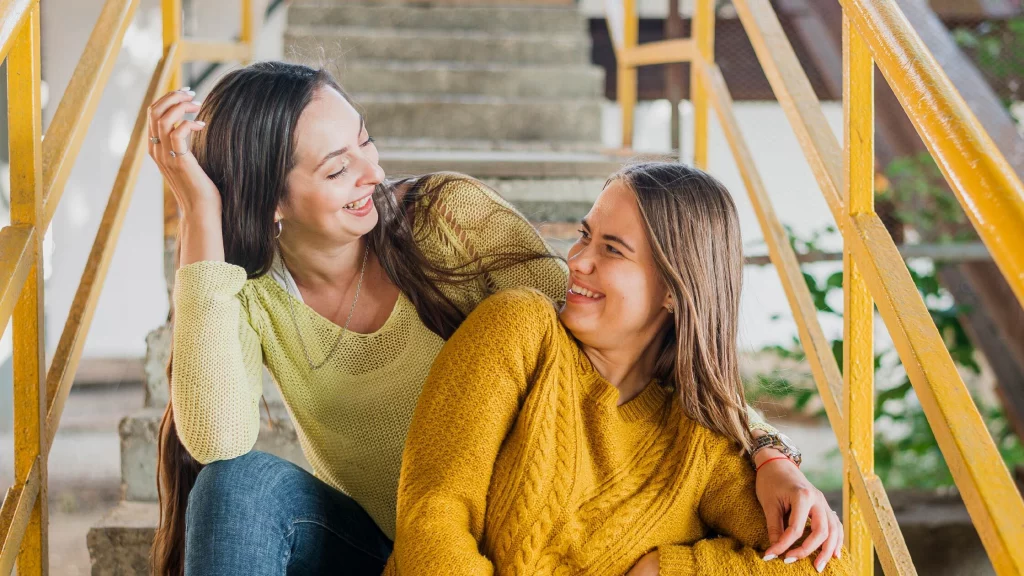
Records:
x=581, y=262
x=372, y=173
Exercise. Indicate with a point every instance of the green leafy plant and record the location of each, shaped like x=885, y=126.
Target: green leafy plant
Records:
x=998, y=50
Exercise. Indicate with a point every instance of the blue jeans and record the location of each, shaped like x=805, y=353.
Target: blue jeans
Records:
x=261, y=515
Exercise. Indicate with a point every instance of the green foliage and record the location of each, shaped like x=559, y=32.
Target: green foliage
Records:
x=998, y=50
x=923, y=201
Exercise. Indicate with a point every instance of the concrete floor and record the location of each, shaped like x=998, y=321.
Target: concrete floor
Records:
x=85, y=469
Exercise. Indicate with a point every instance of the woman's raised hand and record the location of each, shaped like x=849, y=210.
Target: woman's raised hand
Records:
x=169, y=135
x=201, y=236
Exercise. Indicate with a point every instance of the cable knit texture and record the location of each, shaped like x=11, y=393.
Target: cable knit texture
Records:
x=352, y=414
x=520, y=461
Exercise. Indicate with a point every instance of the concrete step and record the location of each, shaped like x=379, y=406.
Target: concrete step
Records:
x=119, y=544
x=533, y=19
x=481, y=117
x=139, y=433
x=485, y=145
x=408, y=3
x=523, y=164
x=325, y=45
x=549, y=199
x=512, y=81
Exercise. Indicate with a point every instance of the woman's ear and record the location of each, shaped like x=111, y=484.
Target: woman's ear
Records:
x=277, y=215
x=670, y=304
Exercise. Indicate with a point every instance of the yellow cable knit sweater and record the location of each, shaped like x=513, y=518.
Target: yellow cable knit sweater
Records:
x=519, y=461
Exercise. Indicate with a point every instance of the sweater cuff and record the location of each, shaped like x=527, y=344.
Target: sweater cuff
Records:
x=676, y=560
x=208, y=278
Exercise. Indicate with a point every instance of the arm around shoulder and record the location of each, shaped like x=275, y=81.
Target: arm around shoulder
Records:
x=729, y=507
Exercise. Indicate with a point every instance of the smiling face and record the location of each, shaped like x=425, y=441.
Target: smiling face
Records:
x=336, y=170
x=616, y=293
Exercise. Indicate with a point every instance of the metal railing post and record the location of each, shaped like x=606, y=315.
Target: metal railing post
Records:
x=25, y=114
x=858, y=308
x=703, y=32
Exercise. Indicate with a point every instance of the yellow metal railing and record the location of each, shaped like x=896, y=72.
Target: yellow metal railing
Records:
x=39, y=171
x=874, y=32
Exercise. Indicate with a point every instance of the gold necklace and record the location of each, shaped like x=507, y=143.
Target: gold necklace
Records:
x=344, y=330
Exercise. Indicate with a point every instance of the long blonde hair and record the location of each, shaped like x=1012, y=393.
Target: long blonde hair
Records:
x=694, y=232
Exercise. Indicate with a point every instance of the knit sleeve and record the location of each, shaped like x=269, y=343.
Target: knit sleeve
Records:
x=469, y=403
x=490, y=228
x=216, y=371
x=729, y=507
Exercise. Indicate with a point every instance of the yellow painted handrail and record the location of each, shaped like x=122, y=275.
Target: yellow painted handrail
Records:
x=984, y=182
x=873, y=31
x=13, y=14
x=39, y=172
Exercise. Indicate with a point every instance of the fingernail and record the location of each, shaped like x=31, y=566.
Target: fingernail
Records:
x=790, y=560
x=820, y=569
x=190, y=92
x=200, y=122
x=768, y=557
x=184, y=89
x=839, y=553
x=197, y=103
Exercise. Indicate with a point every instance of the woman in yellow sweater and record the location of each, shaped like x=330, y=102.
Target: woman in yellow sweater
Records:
x=608, y=437
x=296, y=255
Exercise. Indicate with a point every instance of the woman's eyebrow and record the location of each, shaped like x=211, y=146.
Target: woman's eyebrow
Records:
x=609, y=237
x=341, y=151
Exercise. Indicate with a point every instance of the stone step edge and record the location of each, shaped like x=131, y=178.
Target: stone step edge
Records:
x=451, y=145
x=468, y=66
x=504, y=166
x=423, y=33
x=414, y=98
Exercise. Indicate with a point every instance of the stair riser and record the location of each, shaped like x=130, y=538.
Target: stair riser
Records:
x=430, y=3
x=488, y=19
x=515, y=83
x=139, y=444
x=336, y=50
x=540, y=121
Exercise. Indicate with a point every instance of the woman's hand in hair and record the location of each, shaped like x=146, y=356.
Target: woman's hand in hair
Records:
x=192, y=188
x=198, y=199
x=789, y=501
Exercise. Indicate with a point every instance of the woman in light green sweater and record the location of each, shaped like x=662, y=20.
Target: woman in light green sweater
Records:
x=297, y=255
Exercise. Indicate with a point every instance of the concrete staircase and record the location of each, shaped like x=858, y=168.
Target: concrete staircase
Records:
x=502, y=92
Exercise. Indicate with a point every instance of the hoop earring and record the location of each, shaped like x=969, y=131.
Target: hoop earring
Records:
x=278, y=235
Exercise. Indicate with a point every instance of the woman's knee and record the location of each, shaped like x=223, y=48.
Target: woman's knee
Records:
x=239, y=486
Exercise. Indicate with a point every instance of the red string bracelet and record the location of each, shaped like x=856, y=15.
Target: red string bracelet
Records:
x=758, y=469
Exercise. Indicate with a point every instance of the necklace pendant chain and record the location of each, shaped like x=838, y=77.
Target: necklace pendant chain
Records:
x=344, y=330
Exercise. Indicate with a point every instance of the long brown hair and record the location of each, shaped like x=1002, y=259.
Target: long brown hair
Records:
x=694, y=231
x=247, y=150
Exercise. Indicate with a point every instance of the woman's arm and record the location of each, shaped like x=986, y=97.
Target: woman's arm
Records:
x=216, y=374
x=468, y=405
x=789, y=500
x=728, y=507
x=488, y=227
x=217, y=370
